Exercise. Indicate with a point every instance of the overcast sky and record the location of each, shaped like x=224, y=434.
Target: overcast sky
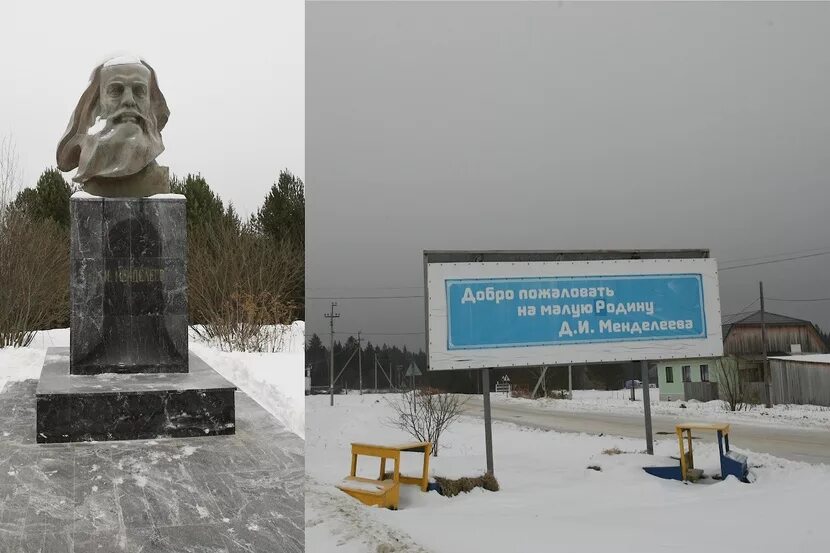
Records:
x=563, y=126
x=232, y=73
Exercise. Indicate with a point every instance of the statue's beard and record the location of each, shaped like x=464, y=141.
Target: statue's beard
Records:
x=119, y=149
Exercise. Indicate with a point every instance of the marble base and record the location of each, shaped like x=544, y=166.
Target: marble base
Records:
x=75, y=408
x=128, y=284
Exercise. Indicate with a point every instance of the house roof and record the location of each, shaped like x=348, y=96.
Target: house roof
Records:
x=812, y=358
x=770, y=318
x=754, y=319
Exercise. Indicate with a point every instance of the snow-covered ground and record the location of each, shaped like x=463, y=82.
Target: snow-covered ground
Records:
x=549, y=499
x=274, y=380
x=618, y=401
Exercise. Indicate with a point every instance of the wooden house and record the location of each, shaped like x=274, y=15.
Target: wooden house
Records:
x=785, y=336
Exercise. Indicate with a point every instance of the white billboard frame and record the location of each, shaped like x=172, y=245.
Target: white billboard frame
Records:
x=441, y=266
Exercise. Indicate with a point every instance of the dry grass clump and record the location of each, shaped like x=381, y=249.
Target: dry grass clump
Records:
x=451, y=487
x=612, y=451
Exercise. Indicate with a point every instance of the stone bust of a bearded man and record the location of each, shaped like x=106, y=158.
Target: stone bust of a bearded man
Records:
x=114, y=135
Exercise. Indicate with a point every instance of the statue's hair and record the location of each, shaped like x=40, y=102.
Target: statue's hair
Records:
x=69, y=148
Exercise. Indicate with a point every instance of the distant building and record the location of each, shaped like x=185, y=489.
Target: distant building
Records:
x=785, y=336
x=685, y=379
x=801, y=379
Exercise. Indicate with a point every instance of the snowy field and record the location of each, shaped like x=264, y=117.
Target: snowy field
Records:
x=274, y=380
x=549, y=499
x=618, y=401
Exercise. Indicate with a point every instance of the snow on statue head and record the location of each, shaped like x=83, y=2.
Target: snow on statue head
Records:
x=114, y=134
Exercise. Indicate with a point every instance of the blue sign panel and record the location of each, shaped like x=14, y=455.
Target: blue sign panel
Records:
x=511, y=312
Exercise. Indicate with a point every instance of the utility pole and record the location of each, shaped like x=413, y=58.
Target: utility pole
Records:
x=376, y=373
x=570, y=382
x=767, y=383
x=331, y=318
x=359, y=363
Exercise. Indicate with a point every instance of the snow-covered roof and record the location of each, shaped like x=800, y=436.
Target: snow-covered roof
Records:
x=807, y=358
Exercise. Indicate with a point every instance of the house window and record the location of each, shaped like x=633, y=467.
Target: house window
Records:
x=687, y=373
x=669, y=375
x=704, y=373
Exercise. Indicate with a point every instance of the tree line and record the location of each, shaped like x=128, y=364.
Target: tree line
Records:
x=393, y=362
x=243, y=275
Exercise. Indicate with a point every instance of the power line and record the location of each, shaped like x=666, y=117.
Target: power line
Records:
x=737, y=260
x=743, y=310
x=382, y=333
x=418, y=287
x=799, y=299
x=721, y=269
x=421, y=296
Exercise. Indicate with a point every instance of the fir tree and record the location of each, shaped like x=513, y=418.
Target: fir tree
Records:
x=282, y=215
x=49, y=199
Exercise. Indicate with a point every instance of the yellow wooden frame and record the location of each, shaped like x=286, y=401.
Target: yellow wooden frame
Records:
x=687, y=461
x=388, y=491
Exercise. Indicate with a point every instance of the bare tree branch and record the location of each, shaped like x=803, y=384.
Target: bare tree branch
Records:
x=730, y=383
x=425, y=413
x=9, y=172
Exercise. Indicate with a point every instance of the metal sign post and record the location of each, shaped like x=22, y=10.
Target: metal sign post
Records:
x=488, y=423
x=570, y=382
x=647, y=407
x=412, y=372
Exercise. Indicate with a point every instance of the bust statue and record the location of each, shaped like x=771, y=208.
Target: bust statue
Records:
x=114, y=134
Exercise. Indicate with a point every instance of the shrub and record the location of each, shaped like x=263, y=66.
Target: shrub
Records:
x=451, y=487
x=34, y=277
x=242, y=284
x=520, y=391
x=425, y=413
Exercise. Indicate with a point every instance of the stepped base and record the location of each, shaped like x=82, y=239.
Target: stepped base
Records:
x=101, y=407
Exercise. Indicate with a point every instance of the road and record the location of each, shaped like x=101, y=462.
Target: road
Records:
x=798, y=444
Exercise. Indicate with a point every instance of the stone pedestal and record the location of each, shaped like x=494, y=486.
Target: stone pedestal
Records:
x=128, y=285
x=127, y=374
x=74, y=408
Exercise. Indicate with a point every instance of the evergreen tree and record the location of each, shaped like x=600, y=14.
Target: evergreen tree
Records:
x=49, y=199
x=204, y=207
x=282, y=215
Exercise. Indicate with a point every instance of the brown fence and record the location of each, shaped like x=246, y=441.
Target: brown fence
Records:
x=754, y=392
x=800, y=383
x=701, y=391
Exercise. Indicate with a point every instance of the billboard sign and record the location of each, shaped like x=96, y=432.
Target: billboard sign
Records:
x=497, y=314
